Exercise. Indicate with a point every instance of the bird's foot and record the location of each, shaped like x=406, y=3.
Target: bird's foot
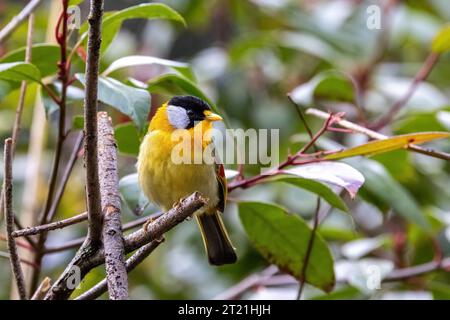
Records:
x=176, y=204
x=147, y=223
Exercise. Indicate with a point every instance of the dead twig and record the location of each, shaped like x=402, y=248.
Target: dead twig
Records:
x=18, y=20
x=140, y=255
x=88, y=258
x=9, y=219
x=50, y=226
x=116, y=272
x=378, y=136
x=42, y=289
x=90, y=122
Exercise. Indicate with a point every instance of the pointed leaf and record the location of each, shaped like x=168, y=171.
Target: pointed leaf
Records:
x=316, y=187
x=336, y=173
x=329, y=85
x=131, y=101
x=44, y=57
x=382, y=189
x=19, y=71
x=131, y=61
x=393, y=143
x=283, y=238
x=113, y=20
x=127, y=138
x=441, y=42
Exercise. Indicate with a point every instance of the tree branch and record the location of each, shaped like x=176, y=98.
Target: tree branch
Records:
x=113, y=245
x=378, y=136
x=423, y=73
x=9, y=219
x=18, y=20
x=252, y=281
x=65, y=178
x=140, y=255
x=50, y=226
x=23, y=91
x=77, y=242
x=87, y=258
x=90, y=122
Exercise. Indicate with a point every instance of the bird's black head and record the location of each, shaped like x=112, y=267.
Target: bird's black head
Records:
x=184, y=111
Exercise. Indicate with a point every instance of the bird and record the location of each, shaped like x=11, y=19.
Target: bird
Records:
x=166, y=182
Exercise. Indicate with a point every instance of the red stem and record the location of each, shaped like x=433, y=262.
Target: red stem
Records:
x=291, y=160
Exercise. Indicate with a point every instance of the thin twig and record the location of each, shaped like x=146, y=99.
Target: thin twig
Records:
x=63, y=76
x=50, y=226
x=302, y=118
x=88, y=258
x=139, y=256
x=414, y=271
x=7, y=256
x=18, y=20
x=248, y=283
x=309, y=250
x=421, y=76
x=24, y=232
x=65, y=177
x=291, y=160
x=23, y=87
x=287, y=280
x=78, y=242
x=378, y=136
x=19, y=243
x=116, y=271
x=90, y=122
x=20, y=105
x=42, y=289
x=9, y=220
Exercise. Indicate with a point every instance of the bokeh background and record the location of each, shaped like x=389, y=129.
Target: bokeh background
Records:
x=247, y=55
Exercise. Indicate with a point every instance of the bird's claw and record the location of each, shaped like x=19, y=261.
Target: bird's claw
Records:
x=147, y=223
x=176, y=204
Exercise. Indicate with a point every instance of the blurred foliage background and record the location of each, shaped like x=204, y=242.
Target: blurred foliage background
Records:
x=246, y=56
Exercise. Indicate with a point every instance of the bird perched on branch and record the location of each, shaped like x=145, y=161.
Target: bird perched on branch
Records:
x=169, y=169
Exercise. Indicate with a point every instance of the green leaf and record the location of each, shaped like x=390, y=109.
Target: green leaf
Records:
x=50, y=105
x=173, y=84
x=441, y=42
x=131, y=101
x=283, y=238
x=345, y=293
x=78, y=122
x=329, y=85
x=393, y=143
x=19, y=71
x=6, y=87
x=133, y=196
x=336, y=173
x=127, y=138
x=75, y=2
x=44, y=57
x=381, y=189
x=419, y=122
x=316, y=187
x=130, y=61
x=113, y=21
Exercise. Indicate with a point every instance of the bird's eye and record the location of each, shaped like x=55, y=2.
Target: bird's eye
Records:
x=190, y=113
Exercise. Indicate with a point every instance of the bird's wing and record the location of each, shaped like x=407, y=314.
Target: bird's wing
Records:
x=222, y=181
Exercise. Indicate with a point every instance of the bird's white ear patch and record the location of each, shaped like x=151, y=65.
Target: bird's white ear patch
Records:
x=178, y=117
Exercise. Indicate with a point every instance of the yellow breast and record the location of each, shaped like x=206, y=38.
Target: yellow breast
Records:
x=165, y=182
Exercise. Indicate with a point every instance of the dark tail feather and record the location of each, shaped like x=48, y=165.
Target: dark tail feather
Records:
x=215, y=237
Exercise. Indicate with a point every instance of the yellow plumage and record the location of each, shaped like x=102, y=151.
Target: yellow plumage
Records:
x=165, y=182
